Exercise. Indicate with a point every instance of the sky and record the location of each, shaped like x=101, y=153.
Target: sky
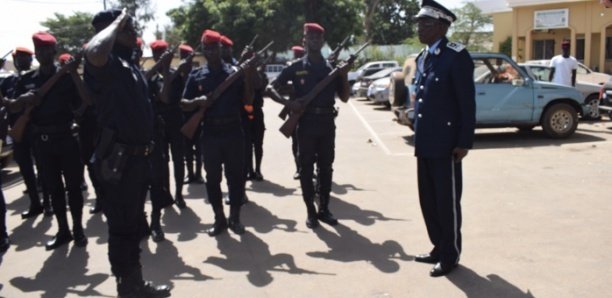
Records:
x=21, y=18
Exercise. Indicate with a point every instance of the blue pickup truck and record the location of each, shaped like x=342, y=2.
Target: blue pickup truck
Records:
x=507, y=96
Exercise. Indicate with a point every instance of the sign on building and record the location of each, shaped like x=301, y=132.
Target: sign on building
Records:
x=551, y=19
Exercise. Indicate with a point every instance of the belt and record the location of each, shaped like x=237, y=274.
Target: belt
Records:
x=136, y=150
x=320, y=110
x=221, y=121
x=51, y=129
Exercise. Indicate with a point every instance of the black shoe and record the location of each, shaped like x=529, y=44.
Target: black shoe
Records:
x=58, y=240
x=189, y=179
x=312, y=222
x=440, y=270
x=48, y=210
x=327, y=217
x=79, y=239
x=198, y=180
x=250, y=176
x=226, y=200
x=95, y=208
x=5, y=243
x=236, y=227
x=245, y=200
x=32, y=212
x=296, y=176
x=157, y=235
x=217, y=228
x=149, y=290
x=179, y=201
x=146, y=232
x=426, y=258
x=257, y=176
x=84, y=186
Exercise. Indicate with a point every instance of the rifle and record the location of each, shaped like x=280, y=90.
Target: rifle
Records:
x=248, y=48
x=334, y=54
x=149, y=73
x=192, y=124
x=289, y=126
x=16, y=132
x=170, y=78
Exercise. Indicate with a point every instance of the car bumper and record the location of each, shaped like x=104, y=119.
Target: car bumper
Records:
x=378, y=94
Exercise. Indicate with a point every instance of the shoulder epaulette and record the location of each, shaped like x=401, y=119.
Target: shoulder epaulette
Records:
x=455, y=46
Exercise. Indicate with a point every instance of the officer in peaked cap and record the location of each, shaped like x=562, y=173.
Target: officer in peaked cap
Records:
x=444, y=131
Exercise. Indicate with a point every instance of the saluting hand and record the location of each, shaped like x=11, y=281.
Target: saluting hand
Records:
x=459, y=154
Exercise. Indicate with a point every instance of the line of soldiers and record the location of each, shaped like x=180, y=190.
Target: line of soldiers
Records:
x=123, y=122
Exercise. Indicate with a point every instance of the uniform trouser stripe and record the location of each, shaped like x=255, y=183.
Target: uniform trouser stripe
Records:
x=454, y=193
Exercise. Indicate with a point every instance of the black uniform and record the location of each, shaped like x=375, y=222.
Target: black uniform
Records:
x=57, y=148
x=445, y=119
x=222, y=136
x=316, y=131
x=4, y=238
x=257, y=128
x=122, y=163
x=22, y=153
x=88, y=135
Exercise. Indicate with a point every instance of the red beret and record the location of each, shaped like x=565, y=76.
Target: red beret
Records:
x=64, y=57
x=226, y=41
x=139, y=42
x=314, y=27
x=185, y=48
x=159, y=45
x=565, y=43
x=43, y=39
x=22, y=50
x=210, y=37
x=297, y=50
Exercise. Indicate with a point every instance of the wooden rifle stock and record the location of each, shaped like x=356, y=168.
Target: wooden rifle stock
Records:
x=192, y=124
x=290, y=124
x=16, y=132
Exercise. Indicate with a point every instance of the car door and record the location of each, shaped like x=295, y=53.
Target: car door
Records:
x=503, y=94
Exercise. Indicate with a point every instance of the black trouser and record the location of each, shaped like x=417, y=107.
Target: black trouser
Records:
x=255, y=144
x=3, y=232
x=123, y=206
x=316, y=145
x=22, y=153
x=88, y=136
x=294, y=150
x=224, y=149
x=159, y=188
x=193, y=152
x=440, y=185
x=173, y=141
x=60, y=161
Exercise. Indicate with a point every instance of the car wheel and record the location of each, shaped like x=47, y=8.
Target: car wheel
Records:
x=400, y=92
x=593, y=101
x=559, y=121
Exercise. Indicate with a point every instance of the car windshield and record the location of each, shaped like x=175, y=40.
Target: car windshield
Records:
x=385, y=72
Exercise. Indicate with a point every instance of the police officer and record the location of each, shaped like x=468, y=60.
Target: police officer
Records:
x=122, y=160
x=444, y=131
x=257, y=128
x=298, y=53
x=316, y=131
x=56, y=147
x=222, y=137
x=22, y=59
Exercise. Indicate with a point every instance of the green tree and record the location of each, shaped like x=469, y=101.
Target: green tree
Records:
x=71, y=32
x=506, y=46
x=392, y=22
x=470, y=20
x=140, y=9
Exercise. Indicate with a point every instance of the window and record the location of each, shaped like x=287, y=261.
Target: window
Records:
x=543, y=49
x=608, y=47
x=580, y=49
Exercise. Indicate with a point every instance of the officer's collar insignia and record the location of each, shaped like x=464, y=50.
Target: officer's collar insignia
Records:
x=301, y=73
x=437, y=51
x=455, y=46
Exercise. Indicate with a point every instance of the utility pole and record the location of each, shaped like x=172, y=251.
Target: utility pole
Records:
x=104, y=4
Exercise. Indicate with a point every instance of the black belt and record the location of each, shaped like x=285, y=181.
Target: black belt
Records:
x=137, y=150
x=221, y=121
x=320, y=110
x=51, y=129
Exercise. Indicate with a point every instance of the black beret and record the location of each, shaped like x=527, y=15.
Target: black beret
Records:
x=105, y=16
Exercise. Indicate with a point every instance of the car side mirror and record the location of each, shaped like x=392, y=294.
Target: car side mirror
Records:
x=518, y=82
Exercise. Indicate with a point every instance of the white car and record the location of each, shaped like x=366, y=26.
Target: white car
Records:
x=273, y=70
x=378, y=91
x=370, y=68
x=583, y=73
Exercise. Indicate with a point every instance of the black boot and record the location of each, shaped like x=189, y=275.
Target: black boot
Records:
x=234, y=220
x=97, y=207
x=157, y=235
x=133, y=286
x=324, y=215
x=179, y=200
x=80, y=240
x=198, y=176
x=220, y=224
x=58, y=240
x=32, y=212
x=5, y=243
x=311, y=222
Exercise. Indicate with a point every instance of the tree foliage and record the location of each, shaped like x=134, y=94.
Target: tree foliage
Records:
x=71, y=32
x=140, y=9
x=390, y=21
x=470, y=21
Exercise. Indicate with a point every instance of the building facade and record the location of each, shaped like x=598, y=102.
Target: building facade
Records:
x=537, y=28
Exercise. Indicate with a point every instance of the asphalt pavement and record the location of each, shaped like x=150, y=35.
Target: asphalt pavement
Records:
x=536, y=223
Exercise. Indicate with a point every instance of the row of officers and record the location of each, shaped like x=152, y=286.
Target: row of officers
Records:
x=123, y=124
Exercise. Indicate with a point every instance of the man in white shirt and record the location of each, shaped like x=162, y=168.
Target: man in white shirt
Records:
x=564, y=67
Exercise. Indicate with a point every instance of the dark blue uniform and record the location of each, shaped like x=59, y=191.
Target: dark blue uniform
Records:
x=257, y=128
x=222, y=135
x=125, y=117
x=57, y=148
x=316, y=131
x=445, y=119
x=22, y=151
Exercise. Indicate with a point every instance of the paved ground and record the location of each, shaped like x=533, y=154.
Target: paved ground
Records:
x=536, y=224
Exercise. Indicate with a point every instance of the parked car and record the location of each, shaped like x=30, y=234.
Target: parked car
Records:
x=361, y=90
x=590, y=91
x=378, y=91
x=508, y=96
x=583, y=73
x=370, y=68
